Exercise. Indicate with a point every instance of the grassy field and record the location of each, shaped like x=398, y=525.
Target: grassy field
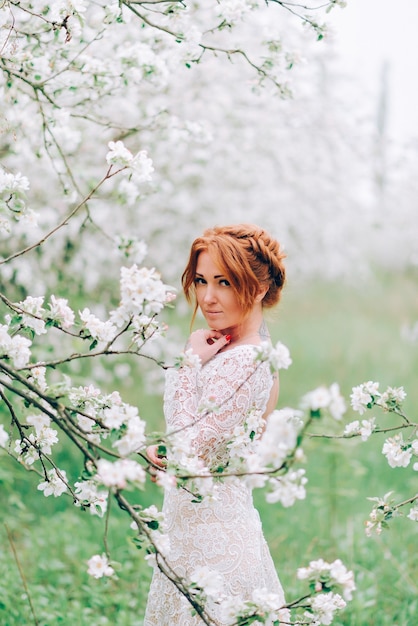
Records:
x=335, y=333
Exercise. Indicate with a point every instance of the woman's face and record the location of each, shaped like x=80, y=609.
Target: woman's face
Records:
x=215, y=296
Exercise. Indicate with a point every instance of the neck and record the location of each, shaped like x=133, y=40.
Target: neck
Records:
x=255, y=329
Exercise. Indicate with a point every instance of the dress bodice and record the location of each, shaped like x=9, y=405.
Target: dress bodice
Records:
x=215, y=400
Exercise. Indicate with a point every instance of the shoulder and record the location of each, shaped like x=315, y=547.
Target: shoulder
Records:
x=238, y=358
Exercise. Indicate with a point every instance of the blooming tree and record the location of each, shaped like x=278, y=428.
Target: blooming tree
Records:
x=92, y=138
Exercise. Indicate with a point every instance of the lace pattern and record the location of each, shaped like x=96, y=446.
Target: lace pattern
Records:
x=225, y=533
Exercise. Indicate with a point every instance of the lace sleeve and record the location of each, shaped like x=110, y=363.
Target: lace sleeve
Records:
x=234, y=385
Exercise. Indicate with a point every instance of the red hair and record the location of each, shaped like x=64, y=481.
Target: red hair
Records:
x=248, y=257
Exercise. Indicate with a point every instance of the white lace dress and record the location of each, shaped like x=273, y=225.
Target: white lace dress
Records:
x=225, y=534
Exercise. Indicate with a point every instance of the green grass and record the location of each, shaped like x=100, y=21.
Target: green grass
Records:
x=335, y=333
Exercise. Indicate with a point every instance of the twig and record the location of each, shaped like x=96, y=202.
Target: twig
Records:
x=22, y=576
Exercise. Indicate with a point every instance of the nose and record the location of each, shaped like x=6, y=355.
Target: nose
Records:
x=210, y=294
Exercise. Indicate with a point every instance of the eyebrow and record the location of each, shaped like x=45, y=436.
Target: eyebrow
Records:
x=216, y=276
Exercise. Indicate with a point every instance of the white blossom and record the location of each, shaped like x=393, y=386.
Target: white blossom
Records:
x=60, y=312
x=413, y=513
x=142, y=293
x=55, y=485
x=324, y=605
x=278, y=356
x=392, y=398
x=398, y=454
x=210, y=581
x=364, y=429
x=133, y=439
x=33, y=312
x=38, y=377
x=364, y=396
x=19, y=351
x=102, y=331
x=328, y=398
x=288, y=488
x=91, y=496
x=188, y=358
x=280, y=436
x=98, y=566
x=119, y=473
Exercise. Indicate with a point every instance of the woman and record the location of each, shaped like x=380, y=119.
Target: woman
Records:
x=233, y=273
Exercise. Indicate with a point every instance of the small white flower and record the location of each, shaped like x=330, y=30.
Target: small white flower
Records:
x=98, y=566
x=118, y=154
x=413, y=513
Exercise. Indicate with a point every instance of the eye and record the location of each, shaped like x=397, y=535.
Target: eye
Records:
x=224, y=282
x=199, y=281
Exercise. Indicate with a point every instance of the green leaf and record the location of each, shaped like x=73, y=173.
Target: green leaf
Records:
x=153, y=524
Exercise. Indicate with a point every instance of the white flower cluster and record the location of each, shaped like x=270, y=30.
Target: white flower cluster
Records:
x=323, y=607
x=101, y=331
x=325, y=398
x=324, y=576
x=32, y=315
x=15, y=348
x=41, y=441
x=60, y=312
x=13, y=189
x=399, y=452
x=263, y=603
x=364, y=429
x=278, y=356
x=271, y=451
x=90, y=496
x=367, y=395
x=120, y=474
x=55, y=485
x=142, y=293
x=139, y=165
x=288, y=488
x=103, y=413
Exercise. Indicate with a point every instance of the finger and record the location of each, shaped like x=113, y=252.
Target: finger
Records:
x=152, y=455
x=220, y=343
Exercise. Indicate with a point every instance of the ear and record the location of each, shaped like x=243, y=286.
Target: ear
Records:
x=260, y=296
